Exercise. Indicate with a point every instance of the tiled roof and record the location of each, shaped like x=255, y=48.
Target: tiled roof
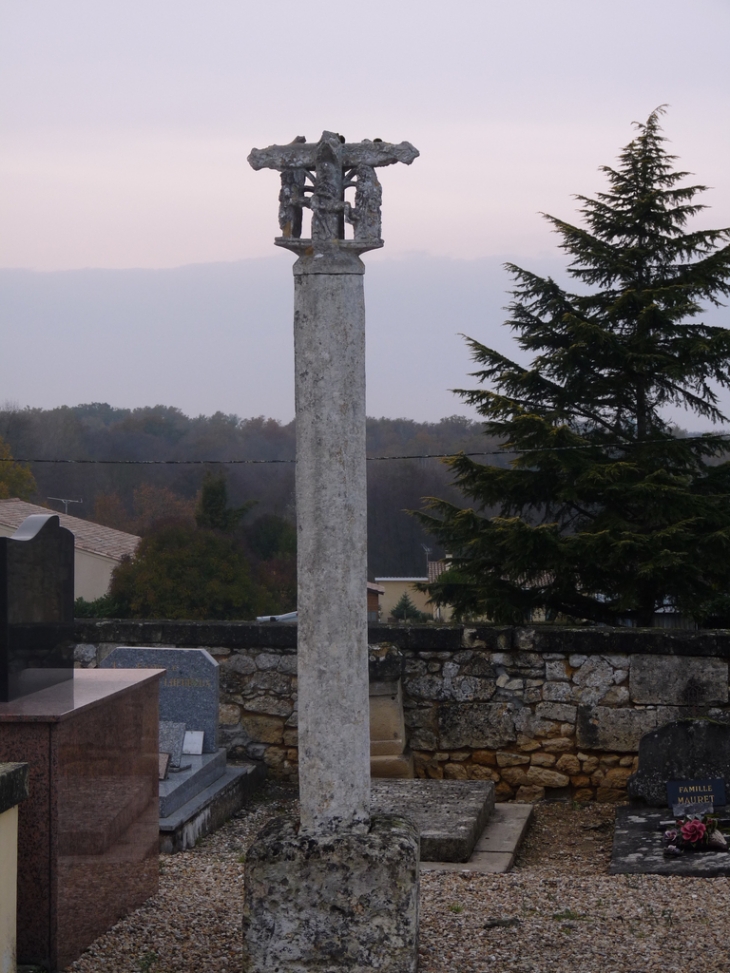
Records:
x=436, y=569
x=88, y=536
x=379, y=580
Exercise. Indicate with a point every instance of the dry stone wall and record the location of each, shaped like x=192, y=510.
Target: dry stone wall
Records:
x=540, y=711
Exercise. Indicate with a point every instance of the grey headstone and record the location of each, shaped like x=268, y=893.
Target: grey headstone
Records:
x=189, y=688
x=684, y=749
x=36, y=607
x=172, y=736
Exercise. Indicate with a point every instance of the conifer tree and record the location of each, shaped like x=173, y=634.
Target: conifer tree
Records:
x=602, y=511
x=212, y=511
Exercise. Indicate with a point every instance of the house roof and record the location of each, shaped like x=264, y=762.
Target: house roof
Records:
x=91, y=537
x=400, y=579
x=436, y=569
x=376, y=587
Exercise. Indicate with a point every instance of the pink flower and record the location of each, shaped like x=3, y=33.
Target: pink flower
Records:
x=693, y=831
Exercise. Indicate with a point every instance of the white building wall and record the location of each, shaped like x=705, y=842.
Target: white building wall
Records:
x=92, y=572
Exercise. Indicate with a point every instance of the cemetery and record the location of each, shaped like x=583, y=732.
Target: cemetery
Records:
x=337, y=796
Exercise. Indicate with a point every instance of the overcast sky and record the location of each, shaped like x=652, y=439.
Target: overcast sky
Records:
x=125, y=126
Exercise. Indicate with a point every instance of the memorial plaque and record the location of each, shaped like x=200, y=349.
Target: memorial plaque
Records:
x=193, y=743
x=188, y=690
x=711, y=791
x=36, y=607
x=172, y=736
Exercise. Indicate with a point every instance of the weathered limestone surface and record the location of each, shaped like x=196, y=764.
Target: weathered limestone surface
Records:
x=680, y=682
x=490, y=725
x=334, y=903
x=334, y=751
x=602, y=728
x=450, y=815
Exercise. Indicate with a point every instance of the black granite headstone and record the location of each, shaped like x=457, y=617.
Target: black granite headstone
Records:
x=36, y=606
x=697, y=749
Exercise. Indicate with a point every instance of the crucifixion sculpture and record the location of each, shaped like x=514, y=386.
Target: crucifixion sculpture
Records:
x=315, y=175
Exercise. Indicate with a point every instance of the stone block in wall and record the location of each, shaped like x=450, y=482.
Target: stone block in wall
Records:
x=668, y=714
x=508, y=759
x=263, y=729
x=542, y=777
x=271, y=705
x=561, y=712
x=569, y=764
x=387, y=729
x=557, y=692
x=604, y=728
x=593, y=679
x=557, y=671
x=476, y=725
x=559, y=745
x=423, y=729
x=229, y=714
x=678, y=681
x=240, y=664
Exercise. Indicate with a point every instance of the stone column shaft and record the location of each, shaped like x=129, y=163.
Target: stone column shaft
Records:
x=329, y=348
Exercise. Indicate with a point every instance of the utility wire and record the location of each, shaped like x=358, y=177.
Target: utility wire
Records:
x=265, y=462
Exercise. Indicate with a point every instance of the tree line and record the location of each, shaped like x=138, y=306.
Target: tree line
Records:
x=135, y=498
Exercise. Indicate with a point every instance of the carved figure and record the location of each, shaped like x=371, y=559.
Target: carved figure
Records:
x=291, y=200
x=318, y=169
x=291, y=195
x=365, y=216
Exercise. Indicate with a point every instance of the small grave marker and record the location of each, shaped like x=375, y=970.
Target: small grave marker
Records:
x=193, y=743
x=172, y=736
x=164, y=765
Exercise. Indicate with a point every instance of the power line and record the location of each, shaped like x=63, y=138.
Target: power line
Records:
x=370, y=459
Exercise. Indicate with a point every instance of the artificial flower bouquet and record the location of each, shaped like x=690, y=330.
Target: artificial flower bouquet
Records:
x=694, y=832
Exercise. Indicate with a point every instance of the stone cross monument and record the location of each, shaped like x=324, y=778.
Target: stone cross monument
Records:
x=336, y=852
x=329, y=350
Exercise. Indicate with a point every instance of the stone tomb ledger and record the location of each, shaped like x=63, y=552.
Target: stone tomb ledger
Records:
x=694, y=753
x=337, y=890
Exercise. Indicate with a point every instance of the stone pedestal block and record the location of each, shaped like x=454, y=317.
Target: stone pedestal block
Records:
x=88, y=839
x=336, y=903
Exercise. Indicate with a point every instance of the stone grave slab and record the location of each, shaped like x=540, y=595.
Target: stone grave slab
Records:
x=172, y=736
x=679, y=763
x=638, y=847
x=696, y=749
x=496, y=850
x=188, y=691
x=450, y=814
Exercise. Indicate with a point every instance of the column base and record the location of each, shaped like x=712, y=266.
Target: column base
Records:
x=340, y=903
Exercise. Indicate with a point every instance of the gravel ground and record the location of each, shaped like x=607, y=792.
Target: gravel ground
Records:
x=557, y=911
